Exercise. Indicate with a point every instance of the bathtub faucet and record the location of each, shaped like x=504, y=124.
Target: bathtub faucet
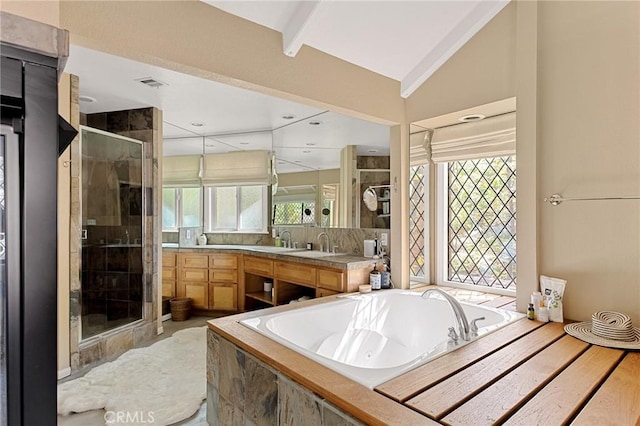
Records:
x=463, y=323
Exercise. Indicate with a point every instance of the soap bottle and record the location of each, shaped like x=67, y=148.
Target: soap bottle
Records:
x=278, y=240
x=530, y=312
x=375, y=278
x=202, y=240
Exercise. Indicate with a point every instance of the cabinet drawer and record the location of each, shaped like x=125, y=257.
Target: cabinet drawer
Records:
x=192, y=260
x=223, y=276
x=296, y=273
x=168, y=274
x=169, y=259
x=258, y=266
x=223, y=297
x=223, y=261
x=331, y=280
x=201, y=275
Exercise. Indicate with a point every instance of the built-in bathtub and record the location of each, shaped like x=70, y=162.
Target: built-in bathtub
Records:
x=374, y=337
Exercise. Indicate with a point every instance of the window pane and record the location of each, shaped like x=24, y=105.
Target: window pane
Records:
x=168, y=208
x=251, y=207
x=294, y=213
x=482, y=222
x=226, y=208
x=416, y=222
x=191, y=206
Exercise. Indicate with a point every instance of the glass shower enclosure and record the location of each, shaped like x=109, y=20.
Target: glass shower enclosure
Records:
x=112, y=232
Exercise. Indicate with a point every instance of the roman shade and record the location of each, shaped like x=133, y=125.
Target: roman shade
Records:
x=292, y=194
x=183, y=170
x=491, y=137
x=237, y=168
x=419, y=149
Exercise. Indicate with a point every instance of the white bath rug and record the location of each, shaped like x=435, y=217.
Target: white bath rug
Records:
x=160, y=384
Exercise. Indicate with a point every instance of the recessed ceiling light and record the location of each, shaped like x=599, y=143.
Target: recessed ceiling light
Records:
x=310, y=144
x=306, y=151
x=209, y=145
x=288, y=117
x=315, y=123
x=244, y=143
x=197, y=124
x=373, y=151
x=280, y=162
x=471, y=117
x=87, y=99
x=298, y=161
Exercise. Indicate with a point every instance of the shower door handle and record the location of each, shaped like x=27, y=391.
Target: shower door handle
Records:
x=83, y=234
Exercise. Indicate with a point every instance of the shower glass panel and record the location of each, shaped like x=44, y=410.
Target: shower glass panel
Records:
x=112, y=231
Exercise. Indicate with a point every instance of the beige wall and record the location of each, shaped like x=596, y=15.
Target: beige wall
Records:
x=482, y=71
x=64, y=211
x=195, y=38
x=43, y=11
x=589, y=145
x=578, y=131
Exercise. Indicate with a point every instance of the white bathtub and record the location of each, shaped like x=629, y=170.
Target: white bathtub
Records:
x=374, y=337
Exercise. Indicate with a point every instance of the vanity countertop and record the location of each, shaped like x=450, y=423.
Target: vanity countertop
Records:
x=343, y=261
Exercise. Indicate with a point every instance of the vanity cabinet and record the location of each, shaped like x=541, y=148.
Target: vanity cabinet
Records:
x=169, y=273
x=292, y=280
x=211, y=280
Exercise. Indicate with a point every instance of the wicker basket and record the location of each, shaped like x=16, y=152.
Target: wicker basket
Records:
x=181, y=308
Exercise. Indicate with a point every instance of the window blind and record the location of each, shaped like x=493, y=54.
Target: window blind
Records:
x=419, y=149
x=237, y=168
x=183, y=170
x=491, y=137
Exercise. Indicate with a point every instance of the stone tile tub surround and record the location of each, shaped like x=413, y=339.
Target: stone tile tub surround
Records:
x=242, y=390
x=293, y=389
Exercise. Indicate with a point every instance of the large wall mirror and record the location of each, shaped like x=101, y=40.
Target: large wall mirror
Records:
x=316, y=151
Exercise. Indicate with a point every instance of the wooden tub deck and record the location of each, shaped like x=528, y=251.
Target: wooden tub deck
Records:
x=527, y=373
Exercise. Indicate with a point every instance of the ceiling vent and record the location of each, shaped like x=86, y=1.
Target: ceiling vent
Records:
x=151, y=82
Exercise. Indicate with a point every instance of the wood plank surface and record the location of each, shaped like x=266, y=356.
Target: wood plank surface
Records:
x=502, y=398
x=617, y=402
x=446, y=395
x=409, y=384
x=557, y=402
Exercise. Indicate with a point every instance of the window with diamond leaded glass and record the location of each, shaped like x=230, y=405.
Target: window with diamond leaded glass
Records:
x=481, y=242
x=418, y=223
x=294, y=213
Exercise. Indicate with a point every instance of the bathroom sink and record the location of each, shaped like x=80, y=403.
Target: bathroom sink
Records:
x=314, y=254
x=273, y=249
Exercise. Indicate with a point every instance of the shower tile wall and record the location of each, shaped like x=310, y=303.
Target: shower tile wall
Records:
x=143, y=125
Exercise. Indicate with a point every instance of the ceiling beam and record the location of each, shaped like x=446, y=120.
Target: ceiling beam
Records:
x=293, y=33
x=454, y=40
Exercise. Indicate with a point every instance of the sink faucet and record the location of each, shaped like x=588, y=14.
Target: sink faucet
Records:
x=287, y=242
x=328, y=241
x=461, y=318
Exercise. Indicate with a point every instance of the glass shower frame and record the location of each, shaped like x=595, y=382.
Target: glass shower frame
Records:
x=108, y=253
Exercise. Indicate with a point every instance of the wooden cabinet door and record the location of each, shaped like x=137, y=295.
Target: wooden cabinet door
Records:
x=296, y=273
x=258, y=266
x=168, y=273
x=223, y=276
x=323, y=292
x=194, y=260
x=223, y=297
x=168, y=289
x=331, y=280
x=223, y=261
x=168, y=259
x=189, y=274
x=199, y=292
